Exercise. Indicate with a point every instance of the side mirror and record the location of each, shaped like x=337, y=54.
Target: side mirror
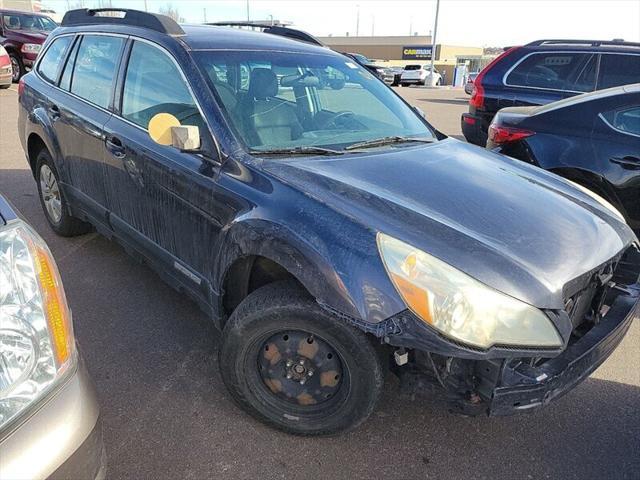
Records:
x=165, y=129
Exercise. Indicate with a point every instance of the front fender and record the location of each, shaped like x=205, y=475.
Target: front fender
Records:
x=351, y=282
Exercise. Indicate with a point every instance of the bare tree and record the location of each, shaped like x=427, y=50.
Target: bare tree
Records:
x=170, y=11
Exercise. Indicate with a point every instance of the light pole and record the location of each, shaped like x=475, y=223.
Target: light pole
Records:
x=146, y=8
x=248, y=19
x=433, y=40
x=358, y=20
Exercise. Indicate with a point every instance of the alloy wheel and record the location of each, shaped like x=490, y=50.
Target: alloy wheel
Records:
x=50, y=192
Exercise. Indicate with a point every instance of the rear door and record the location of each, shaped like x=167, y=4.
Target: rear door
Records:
x=616, y=143
x=162, y=200
x=80, y=114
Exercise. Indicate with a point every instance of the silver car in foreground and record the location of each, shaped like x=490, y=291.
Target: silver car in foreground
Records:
x=49, y=415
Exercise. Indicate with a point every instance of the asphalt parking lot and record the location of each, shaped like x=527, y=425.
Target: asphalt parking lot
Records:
x=166, y=414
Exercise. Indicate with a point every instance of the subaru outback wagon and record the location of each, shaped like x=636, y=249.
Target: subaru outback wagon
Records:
x=328, y=230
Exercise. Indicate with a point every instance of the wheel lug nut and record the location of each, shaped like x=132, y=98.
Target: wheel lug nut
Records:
x=303, y=381
x=301, y=362
x=289, y=363
x=289, y=376
x=310, y=373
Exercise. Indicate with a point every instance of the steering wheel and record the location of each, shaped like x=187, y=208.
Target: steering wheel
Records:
x=333, y=121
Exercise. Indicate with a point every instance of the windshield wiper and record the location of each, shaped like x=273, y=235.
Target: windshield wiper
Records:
x=378, y=142
x=298, y=151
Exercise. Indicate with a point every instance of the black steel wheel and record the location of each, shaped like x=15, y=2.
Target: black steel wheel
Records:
x=293, y=366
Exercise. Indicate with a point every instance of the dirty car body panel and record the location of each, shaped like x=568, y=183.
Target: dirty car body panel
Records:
x=199, y=218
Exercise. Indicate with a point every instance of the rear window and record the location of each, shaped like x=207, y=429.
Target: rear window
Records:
x=95, y=68
x=567, y=71
x=412, y=67
x=618, y=69
x=53, y=57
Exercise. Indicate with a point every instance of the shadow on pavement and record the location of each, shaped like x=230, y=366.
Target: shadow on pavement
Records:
x=166, y=413
x=449, y=101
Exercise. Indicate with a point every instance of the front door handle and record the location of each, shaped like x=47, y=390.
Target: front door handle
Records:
x=115, y=147
x=54, y=112
x=629, y=162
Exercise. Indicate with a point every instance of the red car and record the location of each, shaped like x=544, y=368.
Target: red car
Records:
x=5, y=69
x=22, y=35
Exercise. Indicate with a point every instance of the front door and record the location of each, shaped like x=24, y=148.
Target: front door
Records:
x=161, y=200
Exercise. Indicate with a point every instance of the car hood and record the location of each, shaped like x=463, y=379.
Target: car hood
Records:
x=26, y=37
x=514, y=227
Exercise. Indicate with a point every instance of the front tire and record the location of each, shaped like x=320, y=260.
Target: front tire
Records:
x=54, y=205
x=291, y=365
x=17, y=67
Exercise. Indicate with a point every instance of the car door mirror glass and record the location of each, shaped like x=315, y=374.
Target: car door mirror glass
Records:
x=160, y=128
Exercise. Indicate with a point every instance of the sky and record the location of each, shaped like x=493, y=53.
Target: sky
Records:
x=483, y=23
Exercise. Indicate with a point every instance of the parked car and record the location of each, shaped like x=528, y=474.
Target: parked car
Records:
x=325, y=231
x=380, y=72
x=468, y=86
x=592, y=139
x=49, y=415
x=545, y=71
x=22, y=35
x=6, y=74
x=420, y=75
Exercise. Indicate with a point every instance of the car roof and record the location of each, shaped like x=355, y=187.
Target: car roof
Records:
x=21, y=12
x=211, y=37
x=582, y=47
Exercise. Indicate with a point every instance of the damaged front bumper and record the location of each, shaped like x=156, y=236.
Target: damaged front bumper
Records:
x=503, y=380
x=522, y=387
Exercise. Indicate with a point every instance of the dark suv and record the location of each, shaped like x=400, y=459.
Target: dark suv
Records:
x=22, y=35
x=327, y=231
x=546, y=71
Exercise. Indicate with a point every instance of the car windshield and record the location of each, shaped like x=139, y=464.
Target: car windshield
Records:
x=26, y=22
x=285, y=100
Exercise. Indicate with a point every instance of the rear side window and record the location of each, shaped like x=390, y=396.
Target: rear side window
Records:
x=625, y=120
x=153, y=85
x=568, y=71
x=95, y=68
x=412, y=67
x=53, y=57
x=618, y=69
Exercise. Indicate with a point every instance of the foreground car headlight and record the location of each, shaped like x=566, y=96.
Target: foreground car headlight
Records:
x=36, y=338
x=459, y=306
x=31, y=48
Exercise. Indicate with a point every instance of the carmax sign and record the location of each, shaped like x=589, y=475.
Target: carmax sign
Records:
x=416, y=52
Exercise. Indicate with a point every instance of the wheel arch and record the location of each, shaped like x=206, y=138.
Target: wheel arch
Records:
x=593, y=181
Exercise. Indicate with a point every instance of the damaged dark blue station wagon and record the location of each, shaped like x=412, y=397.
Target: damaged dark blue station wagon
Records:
x=325, y=226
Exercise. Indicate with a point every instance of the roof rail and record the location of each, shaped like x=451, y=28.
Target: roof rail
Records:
x=274, y=30
x=134, y=18
x=591, y=43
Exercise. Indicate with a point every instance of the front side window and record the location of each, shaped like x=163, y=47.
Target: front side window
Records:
x=29, y=23
x=618, y=69
x=153, y=84
x=573, y=71
x=285, y=100
x=625, y=120
x=53, y=57
x=95, y=68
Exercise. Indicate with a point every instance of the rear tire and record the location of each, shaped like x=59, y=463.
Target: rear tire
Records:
x=273, y=339
x=54, y=205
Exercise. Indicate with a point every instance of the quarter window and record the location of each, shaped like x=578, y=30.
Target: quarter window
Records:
x=95, y=68
x=571, y=71
x=626, y=121
x=153, y=85
x=616, y=70
x=53, y=57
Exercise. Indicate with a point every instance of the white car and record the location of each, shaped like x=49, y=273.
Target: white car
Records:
x=420, y=75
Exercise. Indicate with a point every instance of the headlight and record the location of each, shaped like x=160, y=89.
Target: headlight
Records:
x=36, y=338
x=459, y=306
x=31, y=48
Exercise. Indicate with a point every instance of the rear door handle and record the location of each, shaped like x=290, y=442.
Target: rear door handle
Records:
x=54, y=111
x=115, y=147
x=629, y=162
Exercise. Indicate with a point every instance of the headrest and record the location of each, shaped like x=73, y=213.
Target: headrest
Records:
x=263, y=83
